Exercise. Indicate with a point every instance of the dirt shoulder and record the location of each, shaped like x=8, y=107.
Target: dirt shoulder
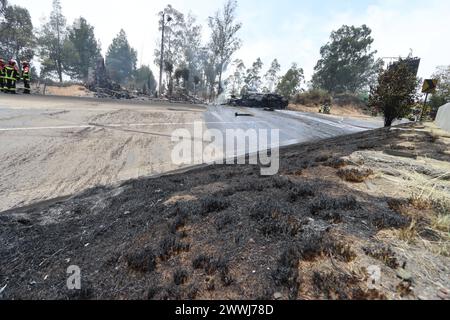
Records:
x=337, y=211
x=347, y=110
x=66, y=91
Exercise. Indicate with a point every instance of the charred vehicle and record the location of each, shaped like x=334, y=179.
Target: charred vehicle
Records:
x=260, y=100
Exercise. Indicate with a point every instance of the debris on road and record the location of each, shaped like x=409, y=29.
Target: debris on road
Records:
x=237, y=114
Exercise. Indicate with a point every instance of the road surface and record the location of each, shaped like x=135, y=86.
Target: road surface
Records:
x=57, y=146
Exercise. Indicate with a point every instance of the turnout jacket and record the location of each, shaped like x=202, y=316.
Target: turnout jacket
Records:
x=26, y=73
x=2, y=72
x=11, y=73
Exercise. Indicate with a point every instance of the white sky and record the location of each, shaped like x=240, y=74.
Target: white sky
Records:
x=290, y=30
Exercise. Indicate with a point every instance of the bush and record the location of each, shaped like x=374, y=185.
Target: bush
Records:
x=396, y=91
x=314, y=97
x=345, y=99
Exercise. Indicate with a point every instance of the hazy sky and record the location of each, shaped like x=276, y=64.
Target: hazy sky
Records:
x=290, y=30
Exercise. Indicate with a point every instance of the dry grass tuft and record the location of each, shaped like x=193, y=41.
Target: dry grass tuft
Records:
x=355, y=175
x=442, y=219
x=430, y=222
x=419, y=202
x=409, y=234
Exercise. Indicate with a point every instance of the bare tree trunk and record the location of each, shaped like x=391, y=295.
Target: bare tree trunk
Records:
x=60, y=77
x=388, y=122
x=220, y=83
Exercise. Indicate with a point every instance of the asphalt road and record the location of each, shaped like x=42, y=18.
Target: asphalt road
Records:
x=53, y=146
x=294, y=127
x=57, y=146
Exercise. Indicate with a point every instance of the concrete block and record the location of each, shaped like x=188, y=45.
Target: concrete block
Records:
x=443, y=117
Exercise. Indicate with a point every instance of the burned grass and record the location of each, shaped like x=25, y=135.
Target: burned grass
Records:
x=213, y=204
x=332, y=285
x=323, y=203
x=210, y=264
x=183, y=237
x=142, y=260
x=180, y=277
x=301, y=191
x=170, y=246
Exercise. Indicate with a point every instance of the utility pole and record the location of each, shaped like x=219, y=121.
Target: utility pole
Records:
x=422, y=114
x=162, y=51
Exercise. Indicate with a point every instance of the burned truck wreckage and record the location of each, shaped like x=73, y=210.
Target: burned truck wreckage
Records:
x=259, y=100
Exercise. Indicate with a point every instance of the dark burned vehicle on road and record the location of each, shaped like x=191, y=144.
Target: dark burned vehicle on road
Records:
x=267, y=101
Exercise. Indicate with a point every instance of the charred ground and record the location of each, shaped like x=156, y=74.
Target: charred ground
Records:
x=225, y=232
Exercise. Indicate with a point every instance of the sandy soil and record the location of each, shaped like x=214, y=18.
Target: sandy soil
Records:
x=316, y=230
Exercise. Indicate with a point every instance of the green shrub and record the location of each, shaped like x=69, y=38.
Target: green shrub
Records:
x=345, y=99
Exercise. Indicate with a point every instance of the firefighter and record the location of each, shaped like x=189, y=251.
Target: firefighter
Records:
x=11, y=76
x=26, y=77
x=2, y=75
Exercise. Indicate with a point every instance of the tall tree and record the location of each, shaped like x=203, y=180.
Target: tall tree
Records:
x=209, y=73
x=52, y=42
x=224, y=40
x=348, y=64
x=191, y=50
x=3, y=5
x=291, y=82
x=85, y=49
x=173, y=41
x=396, y=92
x=236, y=80
x=17, y=37
x=271, y=76
x=121, y=59
x=145, y=80
x=253, y=77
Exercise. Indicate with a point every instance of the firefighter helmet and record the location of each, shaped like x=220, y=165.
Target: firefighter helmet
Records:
x=25, y=63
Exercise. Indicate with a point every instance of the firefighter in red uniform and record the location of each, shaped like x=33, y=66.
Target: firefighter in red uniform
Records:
x=2, y=75
x=11, y=76
x=26, y=77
